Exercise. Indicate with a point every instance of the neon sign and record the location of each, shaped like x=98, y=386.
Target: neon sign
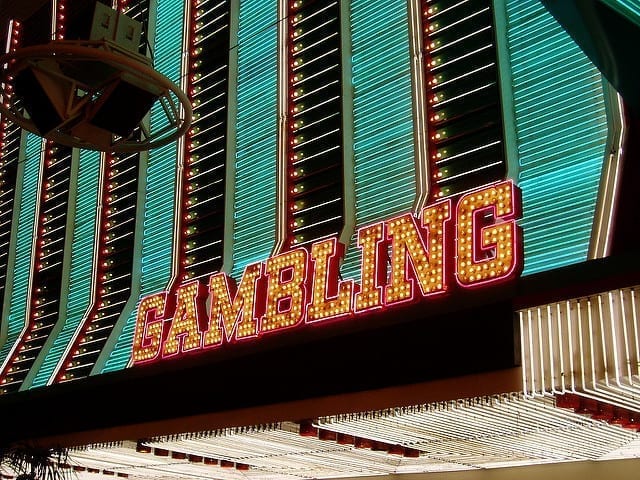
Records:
x=404, y=259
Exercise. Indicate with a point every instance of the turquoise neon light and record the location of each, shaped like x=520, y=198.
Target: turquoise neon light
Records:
x=562, y=131
x=158, y=224
x=628, y=8
x=256, y=151
x=24, y=244
x=385, y=182
x=81, y=271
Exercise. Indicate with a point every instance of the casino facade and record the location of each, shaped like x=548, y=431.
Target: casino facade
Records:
x=398, y=237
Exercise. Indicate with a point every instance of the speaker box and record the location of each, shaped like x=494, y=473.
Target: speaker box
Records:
x=123, y=105
x=88, y=133
x=44, y=98
x=89, y=20
x=128, y=33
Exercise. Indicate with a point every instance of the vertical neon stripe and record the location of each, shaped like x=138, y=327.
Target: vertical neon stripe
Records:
x=314, y=179
x=10, y=145
x=562, y=132
x=628, y=8
x=385, y=182
x=466, y=144
x=27, y=197
x=203, y=178
x=81, y=271
x=256, y=151
x=158, y=221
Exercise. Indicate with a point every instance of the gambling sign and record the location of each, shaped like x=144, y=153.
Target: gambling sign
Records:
x=408, y=258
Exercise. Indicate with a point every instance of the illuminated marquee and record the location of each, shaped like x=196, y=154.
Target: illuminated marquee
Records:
x=403, y=259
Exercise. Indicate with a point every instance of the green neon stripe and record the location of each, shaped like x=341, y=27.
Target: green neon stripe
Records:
x=8, y=170
x=562, y=132
x=630, y=9
x=158, y=223
x=256, y=150
x=81, y=271
x=24, y=244
x=385, y=182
